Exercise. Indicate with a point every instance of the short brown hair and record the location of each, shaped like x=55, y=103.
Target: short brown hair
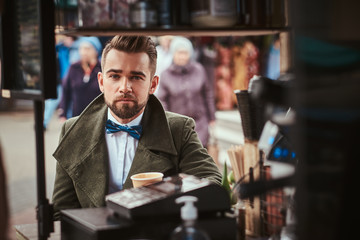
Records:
x=132, y=44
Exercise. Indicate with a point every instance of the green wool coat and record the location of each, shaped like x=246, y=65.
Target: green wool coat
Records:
x=168, y=144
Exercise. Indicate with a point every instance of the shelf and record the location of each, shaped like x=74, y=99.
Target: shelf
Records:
x=184, y=31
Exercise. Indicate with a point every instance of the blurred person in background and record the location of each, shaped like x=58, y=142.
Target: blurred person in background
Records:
x=273, y=60
x=80, y=86
x=223, y=75
x=185, y=88
x=64, y=57
x=165, y=56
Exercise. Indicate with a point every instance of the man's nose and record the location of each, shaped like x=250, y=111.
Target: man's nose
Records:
x=125, y=85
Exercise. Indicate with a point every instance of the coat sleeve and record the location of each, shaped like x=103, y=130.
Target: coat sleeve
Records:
x=194, y=158
x=64, y=194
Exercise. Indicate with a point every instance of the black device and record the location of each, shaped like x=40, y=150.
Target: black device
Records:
x=158, y=199
x=103, y=224
x=150, y=212
x=267, y=99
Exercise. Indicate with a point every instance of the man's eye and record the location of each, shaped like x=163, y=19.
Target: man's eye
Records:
x=114, y=76
x=136, y=78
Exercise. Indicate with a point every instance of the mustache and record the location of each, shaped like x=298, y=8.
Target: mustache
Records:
x=127, y=96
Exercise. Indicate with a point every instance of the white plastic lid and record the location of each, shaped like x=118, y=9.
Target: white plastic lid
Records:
x=188, y=211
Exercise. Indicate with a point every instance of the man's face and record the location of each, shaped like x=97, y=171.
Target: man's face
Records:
x=126, y=82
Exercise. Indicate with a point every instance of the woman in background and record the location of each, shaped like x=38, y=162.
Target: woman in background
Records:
x=80, y=86
x=186, y=89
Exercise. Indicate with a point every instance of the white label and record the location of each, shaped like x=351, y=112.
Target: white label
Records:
x=5, y=93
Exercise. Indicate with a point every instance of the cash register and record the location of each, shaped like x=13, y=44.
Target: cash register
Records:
x=150, y=212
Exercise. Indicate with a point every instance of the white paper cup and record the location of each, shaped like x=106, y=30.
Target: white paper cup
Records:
x=147, y=178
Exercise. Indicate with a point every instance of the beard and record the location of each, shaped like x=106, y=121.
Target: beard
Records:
x=126, y=111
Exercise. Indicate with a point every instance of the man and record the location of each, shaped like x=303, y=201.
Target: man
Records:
x=94, y=160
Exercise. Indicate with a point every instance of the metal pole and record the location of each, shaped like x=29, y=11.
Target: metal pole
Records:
x=44, y=210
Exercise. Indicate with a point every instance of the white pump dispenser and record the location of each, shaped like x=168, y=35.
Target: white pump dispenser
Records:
x=188, y=229
x=188, y=211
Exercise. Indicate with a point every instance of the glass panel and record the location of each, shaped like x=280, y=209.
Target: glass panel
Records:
x=28, y=45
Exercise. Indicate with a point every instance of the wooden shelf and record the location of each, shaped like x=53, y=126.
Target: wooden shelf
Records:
x=184, y=31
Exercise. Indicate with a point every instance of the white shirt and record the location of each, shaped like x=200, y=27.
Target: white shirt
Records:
x=121, y=148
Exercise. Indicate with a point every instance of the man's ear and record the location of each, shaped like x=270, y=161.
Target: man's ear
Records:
x=154, y=84
x=100, y=81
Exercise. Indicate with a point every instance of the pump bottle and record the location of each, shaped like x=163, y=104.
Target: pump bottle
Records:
x=188, y=229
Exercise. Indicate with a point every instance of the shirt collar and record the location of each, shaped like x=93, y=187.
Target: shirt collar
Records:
x=134, y=122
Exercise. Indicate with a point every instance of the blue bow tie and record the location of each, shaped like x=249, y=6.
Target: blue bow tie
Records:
x=134, y=131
